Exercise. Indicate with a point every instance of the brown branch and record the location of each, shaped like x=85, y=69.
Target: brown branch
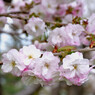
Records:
x=88, y=33
x=25, y=19
x=51, y=22
x=9, y=33
x=1, y=63
x=18, y=12
x=12, y=16
x=77, y=50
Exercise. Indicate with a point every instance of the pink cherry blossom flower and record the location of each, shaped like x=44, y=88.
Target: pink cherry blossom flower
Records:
x=88, y=7
x=30, y=53
x=20, y=4
x=42, y=46
x=47, y=67
x=61, y=11
x=84, y=40
x=49, y=5
x=91, y=24
x=12, y=62
x=29, y=77
x=2, y=6
x=67, y=19
x=56, y=37
x=78, y=10
x=39, y=10
x=75, y=69
x=72, y=34
x=35, y=26
x=45, y=71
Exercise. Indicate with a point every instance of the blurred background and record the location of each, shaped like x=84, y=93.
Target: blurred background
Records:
x=11, y=85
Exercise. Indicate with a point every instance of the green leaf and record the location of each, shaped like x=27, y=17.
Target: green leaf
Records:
x=66, y=48
x=33, y=14
x=76, y=20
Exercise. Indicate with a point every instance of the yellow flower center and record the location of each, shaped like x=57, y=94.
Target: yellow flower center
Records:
x=36, y=27
x=73, y=34
x=47, y=65
x=13, y=63
x=75, y=67
x=49, y=6
x=30, y=57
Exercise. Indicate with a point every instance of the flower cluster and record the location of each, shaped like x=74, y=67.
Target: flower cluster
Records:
x=35, y=66
x=58, y=32
x=69, y=35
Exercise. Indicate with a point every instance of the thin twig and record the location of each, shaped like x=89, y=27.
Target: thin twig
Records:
x=88, y=33
x=10, y=33
x=77, y=50
x=1, y=63
x=12, y=16
x=52, y=22
x=25, y=19
x=18, y=12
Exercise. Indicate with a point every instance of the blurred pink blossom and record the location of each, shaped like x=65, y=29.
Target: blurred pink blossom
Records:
x=35, y=26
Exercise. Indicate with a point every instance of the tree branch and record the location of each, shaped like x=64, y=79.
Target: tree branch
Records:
x=1, y=63
x=88, y=33
x=12, y=16
x=10, y=33
x=51, y=22
x=77, y=50
x=25, y=19
x=18, y=12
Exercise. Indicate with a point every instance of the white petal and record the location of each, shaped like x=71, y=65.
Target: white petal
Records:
x=7, y=67
x=44, y=70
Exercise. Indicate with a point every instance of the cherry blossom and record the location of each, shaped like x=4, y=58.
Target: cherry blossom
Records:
x=72, y=34
x=2, y=6
x=44, y=72
x=75, y=68
x=84, y=40
x=12, y=62
x=78, y=10
x=47, y=67
x=57, y=31
x=29, y=77
x=49, y=5
x=69, y=35
x=35, y=26
x=91, y=24
x=56, y=37
x=20, y=4
x=30, y=53
x=42, y=46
